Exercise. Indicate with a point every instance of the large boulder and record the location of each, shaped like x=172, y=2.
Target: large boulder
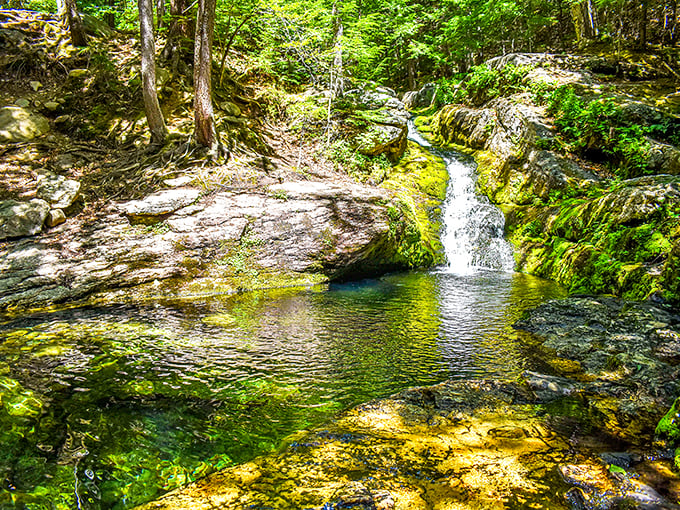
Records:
x=19, y=219
x=382, y=119
x=292, y=233
x=420, y=98
x=21, y=125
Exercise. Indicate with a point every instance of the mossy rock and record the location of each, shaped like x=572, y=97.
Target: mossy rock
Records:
x=668, y=428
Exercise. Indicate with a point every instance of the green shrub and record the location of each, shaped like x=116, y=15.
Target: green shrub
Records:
x=595, y=128
x=484, y=83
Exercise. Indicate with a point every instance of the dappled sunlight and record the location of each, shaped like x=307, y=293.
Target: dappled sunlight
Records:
x=425, y=457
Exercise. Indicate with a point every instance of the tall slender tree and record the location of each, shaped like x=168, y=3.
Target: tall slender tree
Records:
x=178, y=29
x=337, y=78
x=204, y=117
x=154, y=116
x=68, y=11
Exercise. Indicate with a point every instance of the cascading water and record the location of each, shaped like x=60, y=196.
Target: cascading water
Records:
x=473, y=226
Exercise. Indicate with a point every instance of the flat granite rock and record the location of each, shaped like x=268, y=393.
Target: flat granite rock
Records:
x=161, y=203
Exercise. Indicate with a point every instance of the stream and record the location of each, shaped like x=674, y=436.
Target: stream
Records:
x=109, y=407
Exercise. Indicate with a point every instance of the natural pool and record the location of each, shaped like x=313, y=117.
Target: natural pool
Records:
x=109, y=407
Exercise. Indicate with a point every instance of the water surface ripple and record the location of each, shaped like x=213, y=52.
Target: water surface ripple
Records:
x=107, y=407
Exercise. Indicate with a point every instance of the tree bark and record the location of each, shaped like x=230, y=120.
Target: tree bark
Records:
x=227, y=47
x=674, y=19
x=160, y=12
x=204, y=118
x=585, y=20
x=154, y=116
x=110, y=17
x=178, y=28
x=643, y=25
x=75, y=24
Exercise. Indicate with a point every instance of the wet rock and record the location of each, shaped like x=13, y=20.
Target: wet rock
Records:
x=160, y=204
x=465, y=444
x=19, y=219
x=58, y=191
x=355, y=495
x=622, y=459
x=667, y=345
x=597, y=488
x=612, y=346
x=21, y=125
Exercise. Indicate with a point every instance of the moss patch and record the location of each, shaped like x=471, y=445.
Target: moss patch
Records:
x=419, y=182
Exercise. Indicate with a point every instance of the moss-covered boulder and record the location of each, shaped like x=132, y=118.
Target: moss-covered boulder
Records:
x=620, y=241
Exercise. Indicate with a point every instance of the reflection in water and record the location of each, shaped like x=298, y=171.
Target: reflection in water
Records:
x=132, y=401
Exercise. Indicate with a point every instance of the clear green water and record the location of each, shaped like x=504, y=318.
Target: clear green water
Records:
x=110, y=407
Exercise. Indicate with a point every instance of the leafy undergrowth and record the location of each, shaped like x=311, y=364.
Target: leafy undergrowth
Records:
x=93, y=100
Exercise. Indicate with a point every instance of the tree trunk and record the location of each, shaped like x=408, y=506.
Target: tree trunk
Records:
x=75, y=24
x=673, y=22
x=227, y=47
x=160, y=12
x=154, y=116
x=204, y=118
x=337, y=80
x=585, y=20
x=177, y=28
x=643, y=25
x=411, y=72
x=110, y=16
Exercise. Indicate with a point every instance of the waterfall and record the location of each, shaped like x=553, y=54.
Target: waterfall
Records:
x=473, y=226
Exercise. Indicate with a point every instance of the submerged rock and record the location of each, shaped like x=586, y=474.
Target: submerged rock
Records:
x=454, y=445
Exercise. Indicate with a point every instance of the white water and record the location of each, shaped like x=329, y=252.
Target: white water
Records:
x=473, y=226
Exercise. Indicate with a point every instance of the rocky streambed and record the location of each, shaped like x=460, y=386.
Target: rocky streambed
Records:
x=578, y=435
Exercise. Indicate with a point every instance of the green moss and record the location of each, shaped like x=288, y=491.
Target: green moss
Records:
x=419, y=182
x=668, y=428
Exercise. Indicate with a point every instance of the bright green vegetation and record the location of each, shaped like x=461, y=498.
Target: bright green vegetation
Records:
x=598, y=129
x=668, y=429
x=419, y=181
x=592, y=246
x=112, y=406
x=398, y=42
